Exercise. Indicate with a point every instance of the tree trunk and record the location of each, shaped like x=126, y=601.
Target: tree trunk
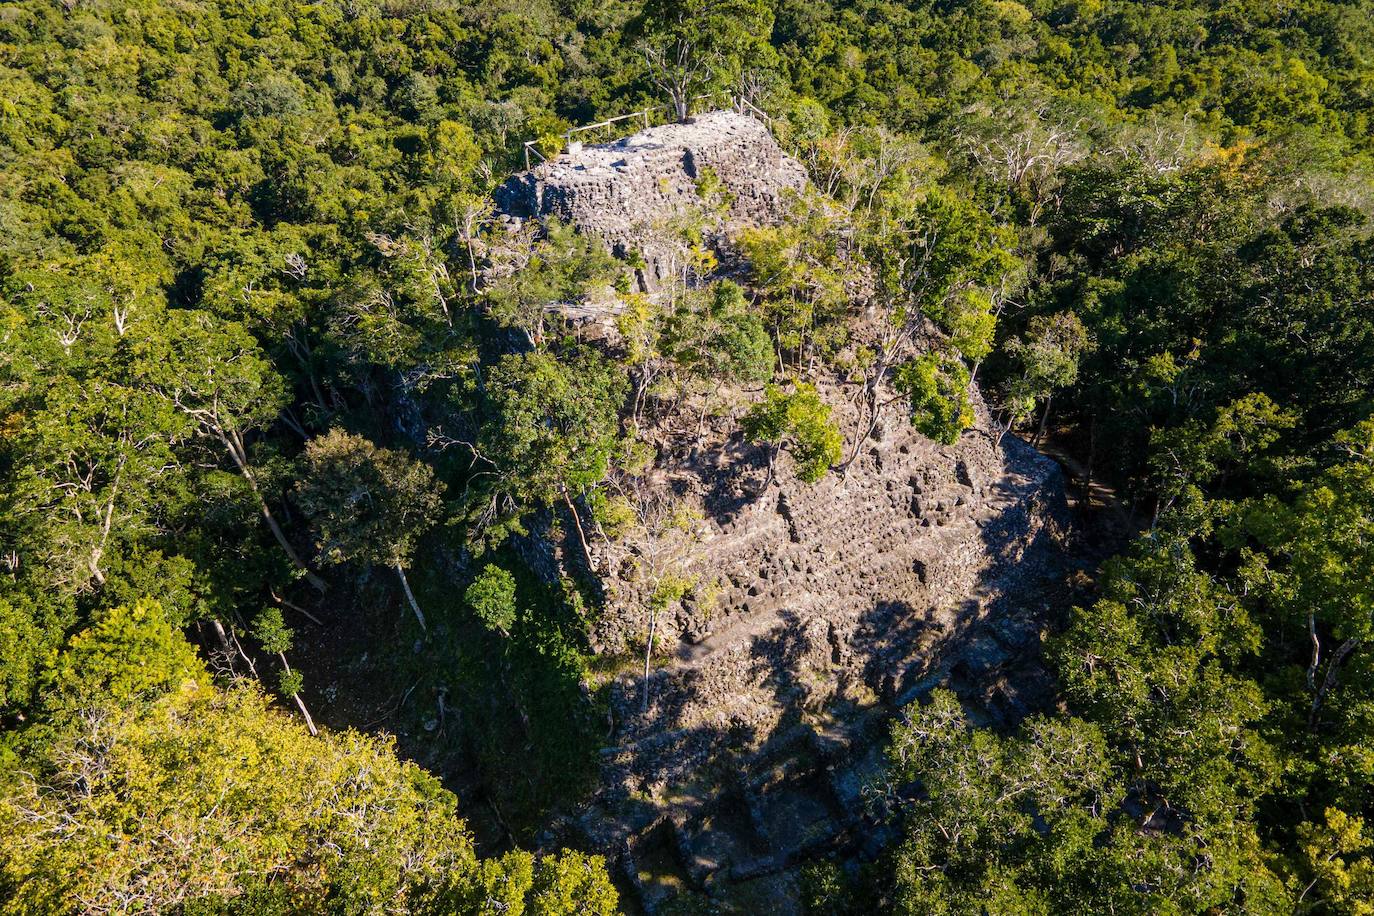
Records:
x=581, y=534
x=1044, y=419
x=105, y=525
x=646, y=377
x=1332, y=667
x=772, y=459
x=295, y=607
x=248, y=659
x=234, y=446
x=300, y=704
x=648, y=655
x=410, y=596
x=309, y=722
x=225, y=645
x=1092, y=458
x=875, y=415
x=472, y=260
x=871, y=403
x=315, y=581
x=887, y=353
x=1316, y=649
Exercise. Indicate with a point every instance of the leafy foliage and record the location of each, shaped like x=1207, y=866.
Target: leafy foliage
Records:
x=365, y=503
x=800, y=419
x=553, y=424
x=151, y=817
x=492, y=597
x=129, y=655
x=937, y=389
x=250, y=268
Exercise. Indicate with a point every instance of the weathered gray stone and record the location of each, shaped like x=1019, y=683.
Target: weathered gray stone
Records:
x=628, y=191
x=829, y=604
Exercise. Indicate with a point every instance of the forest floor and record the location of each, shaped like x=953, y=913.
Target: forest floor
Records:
x=1102, y=511
x=505, y=722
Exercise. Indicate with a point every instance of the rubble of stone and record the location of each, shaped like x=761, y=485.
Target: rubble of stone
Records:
x=629, y=192
x=816, y=613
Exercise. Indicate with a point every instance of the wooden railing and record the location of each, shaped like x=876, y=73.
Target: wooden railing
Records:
x=645, y=116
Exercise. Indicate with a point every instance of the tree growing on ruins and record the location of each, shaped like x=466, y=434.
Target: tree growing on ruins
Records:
x=714, y=338
x=798, y=418
x=668, y=548
x=553, y=423
x=701, y=46
x=936, y=387
x=538, y=274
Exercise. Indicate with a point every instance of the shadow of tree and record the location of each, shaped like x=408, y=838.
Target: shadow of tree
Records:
x=736, y=475
x=466, y=702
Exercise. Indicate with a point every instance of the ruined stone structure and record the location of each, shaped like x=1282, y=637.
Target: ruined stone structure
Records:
x=814, y=612
x=628, y=192
x=817, y=612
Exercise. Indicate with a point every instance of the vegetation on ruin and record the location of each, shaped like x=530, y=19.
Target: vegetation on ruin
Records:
x=280, y=402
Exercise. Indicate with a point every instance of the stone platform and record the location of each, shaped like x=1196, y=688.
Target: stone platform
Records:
x=628, y=193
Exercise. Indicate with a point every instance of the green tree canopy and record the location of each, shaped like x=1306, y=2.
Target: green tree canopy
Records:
x=799, y=419
x=552, y=424
x=367, y=504
x=491, y=595
x=702, y=46
x=151, y=817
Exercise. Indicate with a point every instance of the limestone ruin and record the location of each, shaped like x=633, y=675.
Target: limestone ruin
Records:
x=818, y=612
x=815, y=612
x=625, y=192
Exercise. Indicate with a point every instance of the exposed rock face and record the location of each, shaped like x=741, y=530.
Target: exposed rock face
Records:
x=626, y=192
x=809, y=594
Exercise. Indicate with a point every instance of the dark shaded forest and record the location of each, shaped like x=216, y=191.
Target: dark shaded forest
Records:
x=281, y=409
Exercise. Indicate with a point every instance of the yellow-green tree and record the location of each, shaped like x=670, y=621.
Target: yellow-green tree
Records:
x=800, y=419
x=149, y=789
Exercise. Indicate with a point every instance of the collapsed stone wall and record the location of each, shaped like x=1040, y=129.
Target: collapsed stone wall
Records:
x=627, y=192
x=847, y=583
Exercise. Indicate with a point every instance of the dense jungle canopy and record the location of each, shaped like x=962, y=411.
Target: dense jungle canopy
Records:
x=278, y=405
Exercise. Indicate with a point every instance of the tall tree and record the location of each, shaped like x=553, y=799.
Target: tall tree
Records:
x=551, y=429
x=214, y=373
x=702, y=46
x=135, y=809
x=1047, y=355
x=367, y=504
x=536, y=274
